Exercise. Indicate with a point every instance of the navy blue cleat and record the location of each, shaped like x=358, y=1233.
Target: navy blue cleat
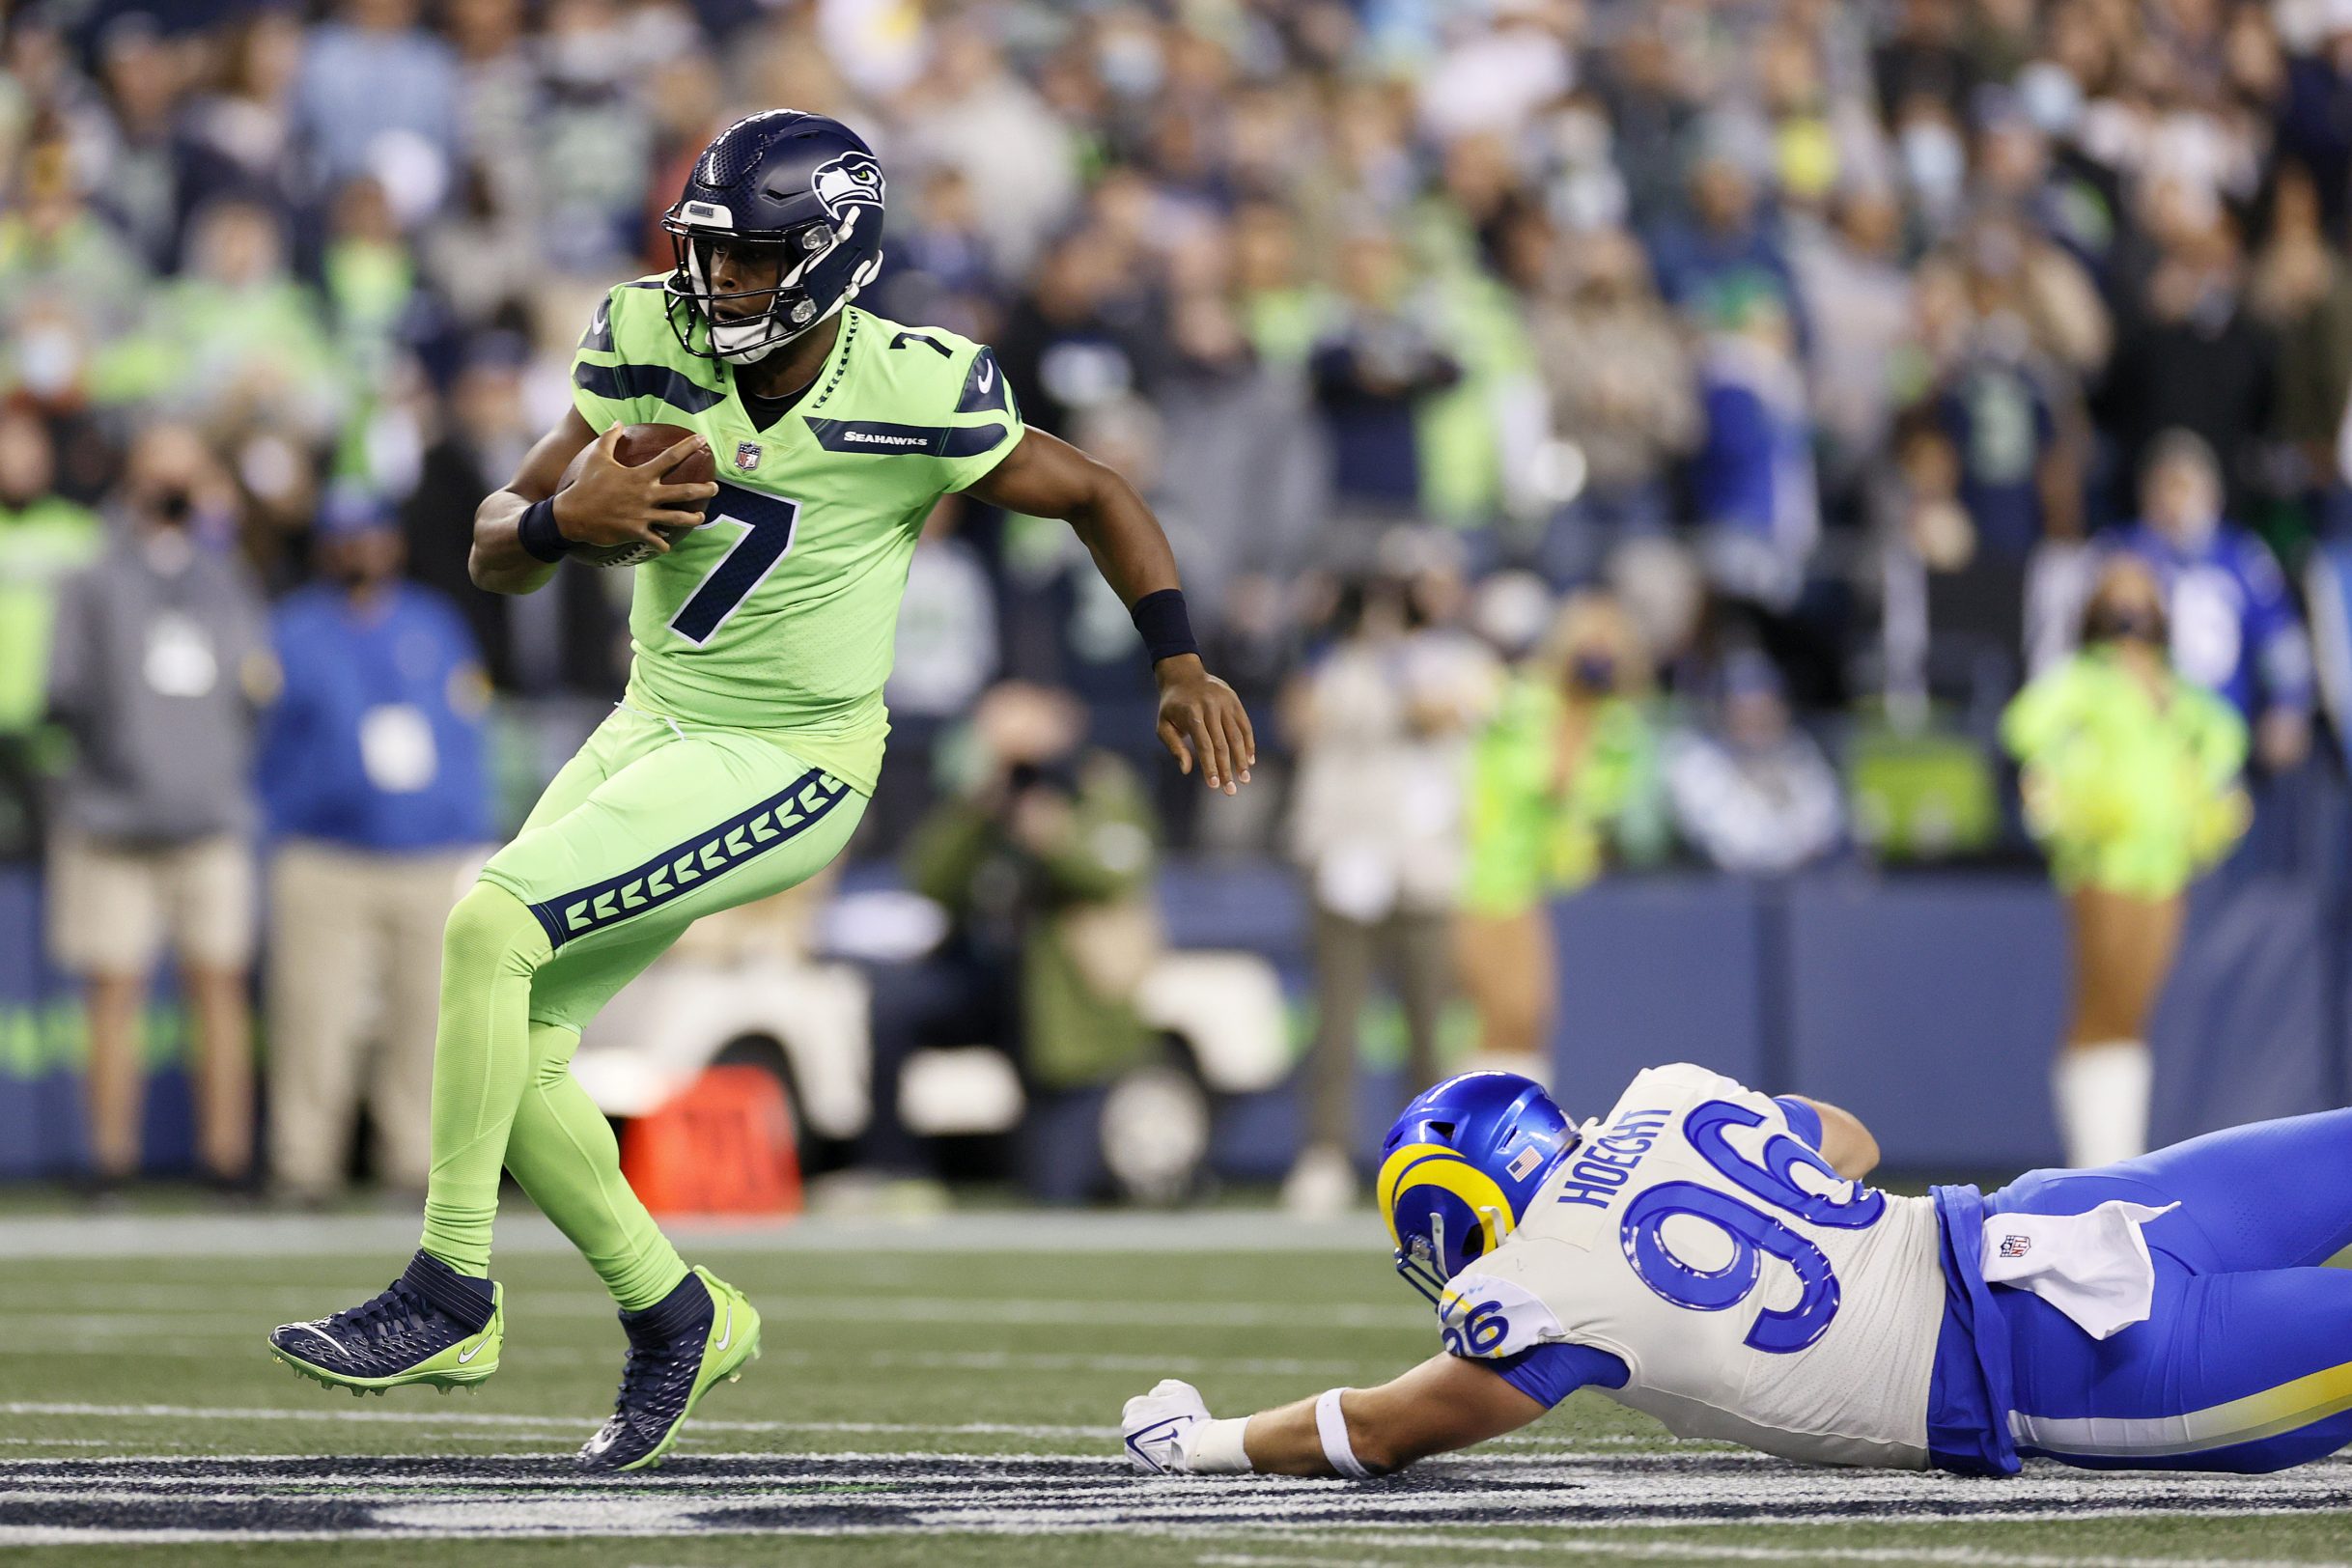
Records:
x=432, y=1325
x=700, y=1333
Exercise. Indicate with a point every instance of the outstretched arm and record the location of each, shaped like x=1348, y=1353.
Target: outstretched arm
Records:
x=1443, y=1404
x=1200, y=718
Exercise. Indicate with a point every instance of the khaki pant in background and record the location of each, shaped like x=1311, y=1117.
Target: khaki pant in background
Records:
x=356, y=962
x=1407, y=947
x=114, y=907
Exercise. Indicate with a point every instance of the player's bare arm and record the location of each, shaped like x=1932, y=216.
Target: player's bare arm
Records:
x=1200, y=718
x=609, y=503
x=1443, y=1404
x=1846, y=1144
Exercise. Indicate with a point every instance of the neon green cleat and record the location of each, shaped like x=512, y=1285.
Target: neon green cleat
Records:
x=432, y=1326
x=700, y=1333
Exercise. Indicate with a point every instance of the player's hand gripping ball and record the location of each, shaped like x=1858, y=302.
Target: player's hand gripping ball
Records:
x=635, y=491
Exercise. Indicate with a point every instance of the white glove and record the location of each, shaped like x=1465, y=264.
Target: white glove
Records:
x=1157, y=1424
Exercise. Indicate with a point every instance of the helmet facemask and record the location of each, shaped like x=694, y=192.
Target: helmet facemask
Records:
x=792, y=308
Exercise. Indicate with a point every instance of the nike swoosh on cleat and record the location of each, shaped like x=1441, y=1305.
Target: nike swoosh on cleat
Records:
x=333, y=1343
x=465, y=1355
x=727, y=1336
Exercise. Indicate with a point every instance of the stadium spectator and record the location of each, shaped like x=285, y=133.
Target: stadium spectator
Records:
x=44, y=540
x=1043, y=867
x=159, y=666
x=2234, y=626
x=1374, y=369
x=378, y=95
x=376, y=785
x=1561, y=782
x=1750, y=790
x=2130, y=782
x=1757, y=498
x=1383, y=725
x=1623, y=393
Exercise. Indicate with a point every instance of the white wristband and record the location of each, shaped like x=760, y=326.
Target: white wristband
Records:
x=1331, y=1426
x=1215, y=1448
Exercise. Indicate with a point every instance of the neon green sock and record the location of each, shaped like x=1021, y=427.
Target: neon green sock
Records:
x=563, y=1152
x=480, y=1065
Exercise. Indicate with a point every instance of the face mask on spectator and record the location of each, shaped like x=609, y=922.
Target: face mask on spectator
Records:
x=1593, y=672
x=2121, y=623
x=172, y=506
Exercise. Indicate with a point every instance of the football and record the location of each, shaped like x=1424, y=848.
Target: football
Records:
x=640, y=444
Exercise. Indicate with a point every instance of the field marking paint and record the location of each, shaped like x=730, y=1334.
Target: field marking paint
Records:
x=1697, y=1551
x=1222, y=1232
x=1095, y=1313
x=195, y=1412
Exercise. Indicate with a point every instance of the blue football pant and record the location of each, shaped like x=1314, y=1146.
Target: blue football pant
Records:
x=2245, y=1362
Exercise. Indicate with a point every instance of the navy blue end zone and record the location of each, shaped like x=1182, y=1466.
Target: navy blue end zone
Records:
x=679, y=869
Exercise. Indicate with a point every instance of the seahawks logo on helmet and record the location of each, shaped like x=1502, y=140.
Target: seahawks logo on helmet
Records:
x=851, y=180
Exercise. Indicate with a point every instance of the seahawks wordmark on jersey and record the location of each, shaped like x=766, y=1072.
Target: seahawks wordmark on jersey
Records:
x=1753, y=1293
x=781, y=613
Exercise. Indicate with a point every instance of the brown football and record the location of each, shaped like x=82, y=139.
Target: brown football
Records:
x=641, y=444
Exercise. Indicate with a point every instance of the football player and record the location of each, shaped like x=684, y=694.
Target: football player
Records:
x=742, y=753
x=1711, y=1256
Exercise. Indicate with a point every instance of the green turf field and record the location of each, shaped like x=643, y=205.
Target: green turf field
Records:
x=932, y=1396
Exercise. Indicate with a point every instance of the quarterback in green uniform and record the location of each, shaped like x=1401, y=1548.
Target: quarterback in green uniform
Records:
x=741, y=755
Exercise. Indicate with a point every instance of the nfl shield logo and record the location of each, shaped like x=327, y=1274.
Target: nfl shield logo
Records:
x=2015, y=1246
x=746, y=454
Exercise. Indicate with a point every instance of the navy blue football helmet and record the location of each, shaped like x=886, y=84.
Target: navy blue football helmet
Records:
x=1460, y=1168
x=804, y=185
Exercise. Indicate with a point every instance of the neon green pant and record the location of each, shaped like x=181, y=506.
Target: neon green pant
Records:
x=648, y=827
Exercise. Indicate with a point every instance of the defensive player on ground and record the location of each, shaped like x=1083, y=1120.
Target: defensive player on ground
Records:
x=749, y=737
x=1711, y=1256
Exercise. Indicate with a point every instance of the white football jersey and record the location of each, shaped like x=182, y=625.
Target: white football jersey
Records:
x=1754, y=1294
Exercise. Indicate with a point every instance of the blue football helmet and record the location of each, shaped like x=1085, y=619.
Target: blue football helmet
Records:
x=1460, y=1168
x=806, y=185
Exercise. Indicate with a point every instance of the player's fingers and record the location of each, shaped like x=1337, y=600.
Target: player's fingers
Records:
x=673, y=520
x=678, y=454
x=1248, y=733
x=1237, y=740
x=1210, y=741
x=1172, y=737
x=668, y=494
x=648, y=534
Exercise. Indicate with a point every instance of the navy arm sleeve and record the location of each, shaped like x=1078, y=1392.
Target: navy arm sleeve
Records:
x=1803, y=1120
x=1550, y=1373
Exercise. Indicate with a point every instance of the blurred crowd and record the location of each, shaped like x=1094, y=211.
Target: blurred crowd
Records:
x=1594, y=433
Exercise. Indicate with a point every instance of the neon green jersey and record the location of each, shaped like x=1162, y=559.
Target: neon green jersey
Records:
x=781, y=613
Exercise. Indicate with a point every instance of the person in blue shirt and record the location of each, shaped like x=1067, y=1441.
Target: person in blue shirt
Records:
x=374, y=781
x=2235, y=629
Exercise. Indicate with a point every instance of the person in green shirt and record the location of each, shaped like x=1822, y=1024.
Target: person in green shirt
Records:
x=741, y=756
x=44, y=540
x=2130, y=782
x=1565, y=774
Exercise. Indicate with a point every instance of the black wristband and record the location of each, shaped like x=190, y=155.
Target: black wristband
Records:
x=1166, y=628
x=538, y=535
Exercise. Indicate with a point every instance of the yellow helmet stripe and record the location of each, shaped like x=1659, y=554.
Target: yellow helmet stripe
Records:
x=1433, y=1164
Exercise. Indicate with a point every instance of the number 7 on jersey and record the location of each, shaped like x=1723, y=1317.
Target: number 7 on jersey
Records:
x=767, y=523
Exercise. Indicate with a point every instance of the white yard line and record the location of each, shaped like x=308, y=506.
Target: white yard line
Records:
x=1455, y=1547
x=521, y=1231
x=194, y=1413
